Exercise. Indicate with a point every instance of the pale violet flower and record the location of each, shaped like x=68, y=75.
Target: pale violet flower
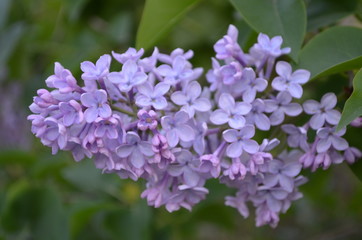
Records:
x=297, y=136
x=257, y=117
x=135, y=149
x=62, y=79
x=283, y=172
x=152, y=96
x=72, y=112
x=147, y=120
x=129, y=77
x=176, y=128
x=328, y=137
x=190, y=99
x=93, y=72
x=281, y=106
x=271, y=46
x=130, y=54
x=290, y=81
x=230, y=112
x=322, y=112
x=180, y=70
x=97, y=105
x=228, y=45
x=240, y=140
x=253, y=85
x=187, y=166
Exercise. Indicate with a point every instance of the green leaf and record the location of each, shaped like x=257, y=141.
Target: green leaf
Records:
x=83, y=212
x=39, y=208
x=276, y=17
x=353, y=106
x=334, y=50
x=158, y=17
x=325, y=12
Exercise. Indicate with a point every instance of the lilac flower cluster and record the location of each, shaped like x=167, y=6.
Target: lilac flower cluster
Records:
x=151, y=119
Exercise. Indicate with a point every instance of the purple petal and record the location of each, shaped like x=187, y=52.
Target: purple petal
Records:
x=172, y=137
x=323, y=145
x=181, y=117
x=161, y=89
x=286, y=183
x=249, y=95
x=115, y=77
x=295, y=90
x=242, y=108
x=179, y=98
x=277, y=117
x=292, y=109
x=301, y=76
x=230, y=135
x=328, y=101
x=237, y=122
x=105, y=111
x=202, y=105
x=186, y=133
x=91, y=114
x=226, y=102
x=311, y=106
x=333, y=117
x=165, y=70
x=193, y=90
x=234, y=150
x=250, y=146
x=88, y=100
x=159, y=103
x=262, y=121
x=279, y=84
x=283, y=69
x=137, y=159
x=191, y=177
x=219, y=117
x=145, y=89
x=292, y=169
x=247, y=132
x=339, y=143
x=125, y=150
x=145, y=148
x=317, y=121
x=143, y=101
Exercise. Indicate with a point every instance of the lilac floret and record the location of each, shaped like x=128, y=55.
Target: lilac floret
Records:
x=290, y=81
x=93, y=72
x=147, y=120
x=129, y=77
x=131, y=54
x=180, y=70
x=62, y=79
x=190, y=99
x=281, y=106
x=72, y=112
x=152, y=96
x=322, y=112
x=135, y=149
x=270, y=47
x=97, y=105
x=328, y=137
x=176, y=128
x=230, y=112
x=240, y=140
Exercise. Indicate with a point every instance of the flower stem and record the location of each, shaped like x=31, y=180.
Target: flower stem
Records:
x=132, y=114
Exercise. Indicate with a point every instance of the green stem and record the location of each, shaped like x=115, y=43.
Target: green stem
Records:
x=132, y=114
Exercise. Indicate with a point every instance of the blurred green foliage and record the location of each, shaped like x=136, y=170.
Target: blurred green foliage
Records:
x=52, y=197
